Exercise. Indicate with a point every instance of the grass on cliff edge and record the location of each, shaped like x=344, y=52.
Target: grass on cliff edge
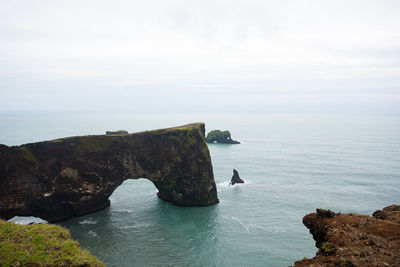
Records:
x=41, y=245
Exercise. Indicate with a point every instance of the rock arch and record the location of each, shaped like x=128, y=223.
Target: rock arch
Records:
x=73, y=176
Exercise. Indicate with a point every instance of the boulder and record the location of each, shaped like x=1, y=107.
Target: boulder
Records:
x=391, y=213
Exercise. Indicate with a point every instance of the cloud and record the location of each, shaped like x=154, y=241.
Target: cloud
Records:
x=81, y=53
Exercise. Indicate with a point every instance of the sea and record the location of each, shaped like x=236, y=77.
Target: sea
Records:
x=291, y=165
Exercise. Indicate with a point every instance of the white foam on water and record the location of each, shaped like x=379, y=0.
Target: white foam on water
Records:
x=223, y=185
x=24, y=220
x=241, y=223
x=88, y=221
x=92, y=233
x=124, y=211
x=263, y=228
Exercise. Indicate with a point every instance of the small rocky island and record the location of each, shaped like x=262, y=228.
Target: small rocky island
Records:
x=236, y=178
x=57, y=179
x=353, y=239
x=221, y=137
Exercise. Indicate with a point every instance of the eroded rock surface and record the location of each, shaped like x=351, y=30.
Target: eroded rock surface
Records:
x=353, y=240
x=66, y=177
x=391, y=213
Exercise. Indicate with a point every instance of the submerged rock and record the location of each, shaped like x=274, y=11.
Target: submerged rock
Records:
x=235, y=178
x=58, y=179
x=353, y=240
x=222, y=137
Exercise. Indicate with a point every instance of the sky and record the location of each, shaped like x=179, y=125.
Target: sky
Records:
x=196, y=56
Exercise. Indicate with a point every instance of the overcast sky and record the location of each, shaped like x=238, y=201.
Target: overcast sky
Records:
x=191, y=56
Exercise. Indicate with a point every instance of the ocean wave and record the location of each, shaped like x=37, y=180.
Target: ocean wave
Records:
x=246, y=227
x=263, y=228
x=135, y=226
x=225, y=185
x=88, y=221
x=124, y=211
x=92, y=233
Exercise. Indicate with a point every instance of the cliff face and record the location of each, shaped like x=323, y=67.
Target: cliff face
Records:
x=66, y=177
x=354, y=240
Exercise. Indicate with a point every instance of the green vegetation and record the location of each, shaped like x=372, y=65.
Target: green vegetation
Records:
x=94, y=143
x=60, y=140
x=344, y=263
x=28, y=154
x=328, y=248
x=41, y=245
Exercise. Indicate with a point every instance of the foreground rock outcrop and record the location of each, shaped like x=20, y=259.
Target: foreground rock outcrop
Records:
x=73, y=176
x=41, y=245
x=354, y=240
x=221, y=137
x=390, y=213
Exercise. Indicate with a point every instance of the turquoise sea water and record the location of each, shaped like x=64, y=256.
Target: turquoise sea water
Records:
x=292, y=164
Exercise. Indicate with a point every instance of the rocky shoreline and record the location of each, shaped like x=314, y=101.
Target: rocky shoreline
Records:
x=353, y=239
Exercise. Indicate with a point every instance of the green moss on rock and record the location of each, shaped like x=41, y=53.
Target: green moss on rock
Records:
x=27, y=154
x=328, y=248
x=119, y=132
x=94, y=143
x=41, y=245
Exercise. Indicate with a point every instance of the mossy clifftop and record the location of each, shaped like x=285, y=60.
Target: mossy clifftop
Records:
x=41, y=245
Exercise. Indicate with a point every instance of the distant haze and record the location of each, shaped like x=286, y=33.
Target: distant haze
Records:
x=193, y=56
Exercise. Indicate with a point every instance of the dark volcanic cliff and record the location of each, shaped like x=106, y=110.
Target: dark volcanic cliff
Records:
x=66, y=177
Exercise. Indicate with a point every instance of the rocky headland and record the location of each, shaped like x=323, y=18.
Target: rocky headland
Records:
x=221, y=137
x=57, y=179
x=353, y=239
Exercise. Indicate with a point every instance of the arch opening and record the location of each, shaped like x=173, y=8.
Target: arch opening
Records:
x=133, y=193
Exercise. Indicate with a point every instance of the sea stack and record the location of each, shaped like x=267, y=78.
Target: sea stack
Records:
x=235, y=178
x=220, y=137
